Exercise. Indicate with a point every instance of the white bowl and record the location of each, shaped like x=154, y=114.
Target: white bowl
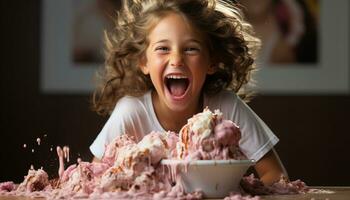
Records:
x=216, y=178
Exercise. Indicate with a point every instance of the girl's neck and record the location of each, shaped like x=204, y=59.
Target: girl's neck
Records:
x=173, y=120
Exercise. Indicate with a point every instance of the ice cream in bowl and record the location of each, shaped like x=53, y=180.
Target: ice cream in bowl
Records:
x=208, y=157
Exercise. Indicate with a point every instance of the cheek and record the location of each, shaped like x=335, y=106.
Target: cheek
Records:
x=159, y=61
x=156, y=60
x=156, y=66
x=201, y=66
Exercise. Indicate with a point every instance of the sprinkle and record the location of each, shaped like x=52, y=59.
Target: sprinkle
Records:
x=24, y=145
x=38, y=140
x=32, y=150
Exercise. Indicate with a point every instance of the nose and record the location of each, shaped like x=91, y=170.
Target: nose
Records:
x=176, y=59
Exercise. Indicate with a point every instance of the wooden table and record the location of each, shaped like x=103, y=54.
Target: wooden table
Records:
x=340, y=193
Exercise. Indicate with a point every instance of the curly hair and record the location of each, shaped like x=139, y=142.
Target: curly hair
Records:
x=231, y=42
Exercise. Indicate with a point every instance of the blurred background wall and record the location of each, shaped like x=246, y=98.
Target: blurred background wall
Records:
x=313, y=129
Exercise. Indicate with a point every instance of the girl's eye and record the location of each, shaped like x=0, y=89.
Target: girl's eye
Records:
x=192, y=50
x=162, y=49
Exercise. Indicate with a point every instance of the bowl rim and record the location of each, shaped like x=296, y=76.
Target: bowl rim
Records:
x=207, y=162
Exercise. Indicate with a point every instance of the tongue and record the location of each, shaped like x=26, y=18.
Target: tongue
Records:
x=177, y=87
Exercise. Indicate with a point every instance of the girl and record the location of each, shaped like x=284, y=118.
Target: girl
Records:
x=168, y=59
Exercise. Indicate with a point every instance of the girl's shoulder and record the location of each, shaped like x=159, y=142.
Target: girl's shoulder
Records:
x=132, y=100
x=230, y=104
x=131, y=104
x=226, y=101
x=224, y=97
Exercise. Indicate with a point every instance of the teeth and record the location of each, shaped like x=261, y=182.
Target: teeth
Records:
x=176, y=76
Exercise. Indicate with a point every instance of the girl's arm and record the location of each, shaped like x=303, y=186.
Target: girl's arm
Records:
x=269, y=168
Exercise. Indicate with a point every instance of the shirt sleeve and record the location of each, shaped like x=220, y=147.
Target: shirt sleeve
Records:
x=257, y=138
x=114, y=127
x=125, y=119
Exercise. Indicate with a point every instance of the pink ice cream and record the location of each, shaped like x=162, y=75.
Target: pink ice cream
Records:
x=36, y=180
x=134, y=165
x=7, y=186
x=207, y=136
x=253, y=185
x=83, y=177
x=132, y=170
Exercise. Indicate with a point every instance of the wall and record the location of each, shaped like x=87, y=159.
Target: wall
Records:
x=313, y=130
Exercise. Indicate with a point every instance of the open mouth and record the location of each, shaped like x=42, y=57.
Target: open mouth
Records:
x=177, y=85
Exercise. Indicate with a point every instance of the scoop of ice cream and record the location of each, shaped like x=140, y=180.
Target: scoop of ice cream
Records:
x=111, y=150
x=130, y=161
x=36, y=180
x=227, y=133
x=207, y=136
x=156, y=144
x=117, y=178
x=134, y=160
x=83, y=177
x=199, y=127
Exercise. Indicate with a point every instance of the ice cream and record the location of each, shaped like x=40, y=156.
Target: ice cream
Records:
x=82, y=177
x=255, y=186
x=7, y=186
x=207, y=136
x=36, y=180
x=132, y=170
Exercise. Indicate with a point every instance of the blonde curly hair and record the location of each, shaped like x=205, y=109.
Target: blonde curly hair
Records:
x=232, y=45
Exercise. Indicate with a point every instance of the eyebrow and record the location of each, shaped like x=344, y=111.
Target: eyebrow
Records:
x=186, y=41
x=194, y=40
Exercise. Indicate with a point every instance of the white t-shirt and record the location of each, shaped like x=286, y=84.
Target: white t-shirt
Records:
x=136, y=116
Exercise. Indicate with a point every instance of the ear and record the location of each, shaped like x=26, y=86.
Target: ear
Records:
x=143, y=65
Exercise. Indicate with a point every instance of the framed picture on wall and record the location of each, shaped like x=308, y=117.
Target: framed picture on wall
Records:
x=325, y=71
x=72, y=48
x=72, y=43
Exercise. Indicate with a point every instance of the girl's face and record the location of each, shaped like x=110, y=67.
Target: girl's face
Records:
x=177, y=60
